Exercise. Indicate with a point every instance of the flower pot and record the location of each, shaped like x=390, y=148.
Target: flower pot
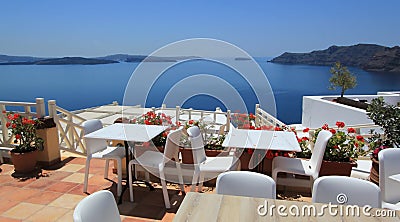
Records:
x=187, y=155
x=374, y=174
x=330, y=168
x=24, y=162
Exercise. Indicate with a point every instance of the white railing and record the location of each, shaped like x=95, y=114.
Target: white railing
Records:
x=265, y=119
x=39, y=111
x=69, y=128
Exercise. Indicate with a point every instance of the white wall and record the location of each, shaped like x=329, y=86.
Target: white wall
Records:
x=318, y=110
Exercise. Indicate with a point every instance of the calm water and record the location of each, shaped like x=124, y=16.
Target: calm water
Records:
x=81, y=86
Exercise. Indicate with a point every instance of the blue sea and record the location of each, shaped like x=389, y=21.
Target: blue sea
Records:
x=82, y=86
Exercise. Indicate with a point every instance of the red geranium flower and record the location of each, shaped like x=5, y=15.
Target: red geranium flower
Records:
x=277, y=128
x=333, y=131
x=325, y=127
x=4, y=111
x=250, y=151
x=340, y=124
x=351, y=130
x=270, y=155
x=17, y=136
x=8, y=124
x=360, y=138
x=306, y=130
x=191, y=122
x=14, y=125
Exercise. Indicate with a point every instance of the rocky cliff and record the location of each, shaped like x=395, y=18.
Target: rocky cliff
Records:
x=365, y=56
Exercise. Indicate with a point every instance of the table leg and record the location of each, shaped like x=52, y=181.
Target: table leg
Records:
x=134, y=179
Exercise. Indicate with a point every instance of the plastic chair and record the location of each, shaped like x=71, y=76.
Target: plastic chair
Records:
x=98, y=149
x=389, y=165
x=207, y=165
x=156, y=160
x=300, y=166
x=99, y=206
x=346, y=190
x=246, y=183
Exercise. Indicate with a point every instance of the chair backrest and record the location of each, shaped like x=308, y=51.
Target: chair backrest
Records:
x=389, y=164
x=196, y=139
x=172, y=145
x=246, y=183
x=346, y=190
x=319, y=151
x=99, y=206
x=93, y=145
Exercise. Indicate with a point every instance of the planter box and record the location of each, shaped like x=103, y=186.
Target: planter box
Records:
x=266, y=164
x=353, y=103
x=374, y=174
x=187, y=155
x=51, y=152
x=330, y=168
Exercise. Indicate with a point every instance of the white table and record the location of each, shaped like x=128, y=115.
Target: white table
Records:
x=262, y=140
x=128, y=133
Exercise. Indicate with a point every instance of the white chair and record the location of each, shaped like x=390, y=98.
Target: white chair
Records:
x=98, y=149
x=246, y=183
x=151, y=160
x=212, y=166
x=346, y=190
x=300, y=166
x=99, y=206
x=389, y=165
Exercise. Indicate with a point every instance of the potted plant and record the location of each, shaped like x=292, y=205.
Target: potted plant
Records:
x=24, y=155
x=342, y=150
x=342, y=78
x=388, y=118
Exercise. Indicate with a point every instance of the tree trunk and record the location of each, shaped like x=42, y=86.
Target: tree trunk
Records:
x=342, y=93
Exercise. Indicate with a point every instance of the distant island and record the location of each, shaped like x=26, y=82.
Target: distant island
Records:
x=117, y=58
x=368, y=57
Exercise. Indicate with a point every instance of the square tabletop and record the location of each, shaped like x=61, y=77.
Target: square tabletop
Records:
x=262, y=139
x=128, y=132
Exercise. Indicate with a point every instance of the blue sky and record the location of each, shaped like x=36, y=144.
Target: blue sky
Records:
x=262, y=28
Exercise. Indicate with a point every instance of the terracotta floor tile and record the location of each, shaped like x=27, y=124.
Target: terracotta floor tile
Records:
x=6, y=219
x=62, y=187
x=79, y=189
x=168, y=217
x=76, y=178
x=99, y=180
x=45, y=197
x=48, y=214
x=67, y=201
x=58, y=175
x=41, y=184
x=21, y=194
x=16, y=182
x=67, y=217
x=72, y=167
x=22, y=211
x=7, y=204
x=134, y=219
x=96, y=170
x=4, y=190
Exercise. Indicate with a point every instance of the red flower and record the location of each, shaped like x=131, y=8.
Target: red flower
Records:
x=250, y=151
x=16, y=116
x=10, y=117
x=351, y=130
x=340, y=124
x=325, y=127
x=306, y=130
x=191, y=122
x=165, y=134
x=147, y=122
x=251, y=116
x=286, y=154
x=270, y=155
x=376, y=151
x=4, y=112
x=14, y=125
x=17, y=136
x=360, y=138
x=304, y=138
x=8, y=124
x=252, y=127
x=336, y=147
x=333, y=131
x=276, y=154
x=277, y=128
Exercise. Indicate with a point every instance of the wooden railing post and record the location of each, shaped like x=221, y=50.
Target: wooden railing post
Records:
x=257, y=120
x=177, y=112
x=40, y=109
x=51, y=104
x=3, y=120
x=228, y=120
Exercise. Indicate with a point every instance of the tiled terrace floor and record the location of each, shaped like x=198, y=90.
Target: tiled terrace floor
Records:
x=52, y=194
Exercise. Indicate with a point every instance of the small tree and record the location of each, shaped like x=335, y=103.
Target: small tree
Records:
x=341, y=77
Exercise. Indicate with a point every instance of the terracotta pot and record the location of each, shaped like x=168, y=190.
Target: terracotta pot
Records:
x=374, y=174
x=187, y=155
x=24, y=162
x=329, y=168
